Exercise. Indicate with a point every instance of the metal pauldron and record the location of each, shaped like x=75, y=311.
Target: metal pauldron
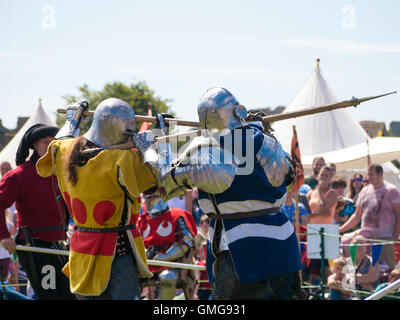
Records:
x=273, y=159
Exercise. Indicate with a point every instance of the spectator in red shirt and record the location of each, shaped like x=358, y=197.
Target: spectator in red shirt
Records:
x=41, y=216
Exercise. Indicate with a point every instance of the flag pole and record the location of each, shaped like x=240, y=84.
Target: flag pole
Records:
x=297, y=224
x=296, y=199
x=368, y=155
x=295, y=153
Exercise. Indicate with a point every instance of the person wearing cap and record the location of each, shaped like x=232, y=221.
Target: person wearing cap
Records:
x=101, y=188
x=41, y=218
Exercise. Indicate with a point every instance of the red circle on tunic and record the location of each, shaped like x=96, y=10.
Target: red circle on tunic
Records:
x=103, y=211
x=79, y=209
x=67, y=200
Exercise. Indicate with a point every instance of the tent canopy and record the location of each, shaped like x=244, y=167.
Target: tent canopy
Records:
x=322, y=132
x=10, y=150
x=334, y=135
x=380, y=150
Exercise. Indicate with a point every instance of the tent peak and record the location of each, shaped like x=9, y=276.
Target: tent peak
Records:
x=318, y=60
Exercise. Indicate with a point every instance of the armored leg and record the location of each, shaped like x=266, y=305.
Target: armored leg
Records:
x=168, y=279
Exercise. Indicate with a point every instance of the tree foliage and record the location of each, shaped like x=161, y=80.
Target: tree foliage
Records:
x=138, y=95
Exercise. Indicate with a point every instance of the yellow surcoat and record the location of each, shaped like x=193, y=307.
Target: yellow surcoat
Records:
x=97, y=200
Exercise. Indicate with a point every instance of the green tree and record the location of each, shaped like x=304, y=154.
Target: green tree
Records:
x=138, y=95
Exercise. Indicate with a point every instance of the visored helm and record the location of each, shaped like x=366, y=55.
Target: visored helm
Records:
x=111, y=119
x=154, y=204
x=219, y=109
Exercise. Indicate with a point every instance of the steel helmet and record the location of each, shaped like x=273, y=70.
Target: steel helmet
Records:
x=219, y=109
x=112, y=118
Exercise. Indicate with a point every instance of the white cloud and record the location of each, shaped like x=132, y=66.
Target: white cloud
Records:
x=343, y=46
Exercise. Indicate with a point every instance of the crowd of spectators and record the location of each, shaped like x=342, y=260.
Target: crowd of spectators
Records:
x=368, y=217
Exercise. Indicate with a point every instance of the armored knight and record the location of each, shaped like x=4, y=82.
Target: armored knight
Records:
x=242, y=174
x=168, y=235
x=101, y=190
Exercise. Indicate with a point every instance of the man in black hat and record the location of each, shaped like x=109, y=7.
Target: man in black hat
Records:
x=42, y=216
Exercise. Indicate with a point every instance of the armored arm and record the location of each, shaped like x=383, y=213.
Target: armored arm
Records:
x=185, y=241
x=203, y=164
x=74, y=117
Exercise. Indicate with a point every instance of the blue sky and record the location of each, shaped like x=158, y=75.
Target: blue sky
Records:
x=262, y=51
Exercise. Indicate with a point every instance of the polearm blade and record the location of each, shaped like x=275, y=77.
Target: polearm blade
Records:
x=329, y=107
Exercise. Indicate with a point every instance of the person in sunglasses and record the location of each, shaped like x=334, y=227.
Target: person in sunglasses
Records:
x=355, y=186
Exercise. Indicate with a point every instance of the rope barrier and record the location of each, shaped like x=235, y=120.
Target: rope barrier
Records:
x=14, y=285
x=381, y=241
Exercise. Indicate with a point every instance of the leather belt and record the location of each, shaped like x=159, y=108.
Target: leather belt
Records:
x=49, y=228
x=105, y=230
x=239, y=215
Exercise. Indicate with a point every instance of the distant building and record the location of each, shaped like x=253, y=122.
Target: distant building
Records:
x=372, y=128
x=395, y=128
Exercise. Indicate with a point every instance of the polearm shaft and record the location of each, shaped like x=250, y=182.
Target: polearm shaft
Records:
x=139, y=118
x=150, y=262
x=271, y=118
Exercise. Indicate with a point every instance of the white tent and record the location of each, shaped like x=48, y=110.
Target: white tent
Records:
x=9, y=151
x=335, y=135
x=380, y=150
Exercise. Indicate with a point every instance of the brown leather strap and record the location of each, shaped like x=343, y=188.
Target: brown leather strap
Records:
x=106, y=230
x=239, y=215
x=49, y=228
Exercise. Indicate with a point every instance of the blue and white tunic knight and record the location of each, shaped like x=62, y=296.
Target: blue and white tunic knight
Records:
x=242, y=175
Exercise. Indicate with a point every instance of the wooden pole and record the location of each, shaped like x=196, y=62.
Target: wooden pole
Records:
x=150, y=262
x=368, y=155
x=279, y=117
x=139, y=118
x=271, y=118
x=297, y=215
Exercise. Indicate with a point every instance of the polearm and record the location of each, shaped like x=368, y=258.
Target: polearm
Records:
x=139, y=118
x=150, y=262
x=354, y=102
